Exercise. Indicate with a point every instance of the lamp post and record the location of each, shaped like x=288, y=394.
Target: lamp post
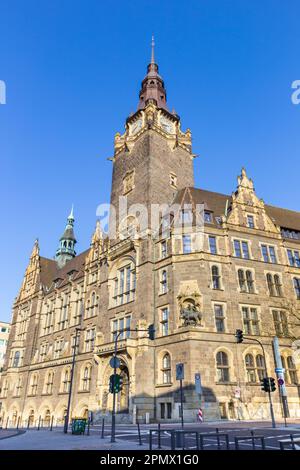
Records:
x=66, y=423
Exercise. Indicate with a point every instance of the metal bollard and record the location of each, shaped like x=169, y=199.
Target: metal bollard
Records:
x=139, y=432
x=7, y=422
x=172, y=439
x=28, y=423
x=293, y=443
x=159, y=446
x=218, y=438
x=51, y=425
x=150, y=439
x=102, y=431
x=88, y=427
x=39, y=423
x=253, y=440
x=18, y=422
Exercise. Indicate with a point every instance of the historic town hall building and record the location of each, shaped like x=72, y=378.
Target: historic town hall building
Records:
x=245, y=275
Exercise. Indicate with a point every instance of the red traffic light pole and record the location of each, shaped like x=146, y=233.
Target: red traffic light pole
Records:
x=151, y=332
x=266, y=375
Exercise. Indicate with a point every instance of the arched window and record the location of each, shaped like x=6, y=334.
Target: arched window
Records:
x=260, y=366
x=66, y=379
x=222, y=367
x=216, y=278
x=277, y=285
x=250, y=282
x=93, y=304
x=250, y=368
x=292, y=370
x=166, y=369
x=49, y=383
x=33, y=384
x=242, y=280
x=4, y=389
x=16, y=360
x=86, y=378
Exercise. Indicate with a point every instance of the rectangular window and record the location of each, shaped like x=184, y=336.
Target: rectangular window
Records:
x=250, y=321
x=122, y=324
x=186, y=244
x=163, y=249
x=237, y=249
x=245, y=250
x=297, y=287
x=272, y=254
x=280, y=323
x=294, y=258
x=219, y=318
x=250, y=221
x=265, y=253
x=127, y=326
x=212, y=245
x=121, y=328
x=269, y=254
x=90, y=340
x=164, y=321
x=241, y=249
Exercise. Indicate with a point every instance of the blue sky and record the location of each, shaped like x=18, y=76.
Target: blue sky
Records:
x=73, y=70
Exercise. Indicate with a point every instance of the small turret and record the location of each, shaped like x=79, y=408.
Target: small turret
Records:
x=66, y=250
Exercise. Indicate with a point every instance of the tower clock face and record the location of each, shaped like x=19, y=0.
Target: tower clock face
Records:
x=136, y=126
x=166, y=125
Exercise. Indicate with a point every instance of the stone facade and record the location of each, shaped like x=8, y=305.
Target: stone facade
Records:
x=219, y=286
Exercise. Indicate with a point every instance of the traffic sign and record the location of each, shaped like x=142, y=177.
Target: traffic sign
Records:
x=179, y=371
x=198, y=385
x=114, y=362
x=280, y=381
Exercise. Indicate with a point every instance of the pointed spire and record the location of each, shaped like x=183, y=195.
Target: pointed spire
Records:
x=66, y=250
x=153, y=87
x=71, y=216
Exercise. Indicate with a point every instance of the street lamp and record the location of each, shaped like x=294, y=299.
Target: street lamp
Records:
x=66, y=423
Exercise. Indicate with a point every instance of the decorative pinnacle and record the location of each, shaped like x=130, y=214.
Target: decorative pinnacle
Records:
x=152, y=50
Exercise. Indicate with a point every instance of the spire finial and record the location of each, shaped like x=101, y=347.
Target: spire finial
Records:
x=152, y=50
x=71, y=216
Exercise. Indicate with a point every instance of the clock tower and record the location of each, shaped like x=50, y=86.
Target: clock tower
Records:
x=153, y=159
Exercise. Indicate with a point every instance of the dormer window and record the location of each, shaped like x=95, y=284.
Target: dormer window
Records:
x=207, y=217
x=250, y=221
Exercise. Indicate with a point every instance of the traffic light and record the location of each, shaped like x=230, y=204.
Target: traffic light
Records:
x=239, y=336
x=117, y=383
x=265, y=384
x=120, y=383
x=272, y=384
x=151, y=332
x=111, y=383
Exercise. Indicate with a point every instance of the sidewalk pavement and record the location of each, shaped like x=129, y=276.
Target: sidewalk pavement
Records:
x=57, y=440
